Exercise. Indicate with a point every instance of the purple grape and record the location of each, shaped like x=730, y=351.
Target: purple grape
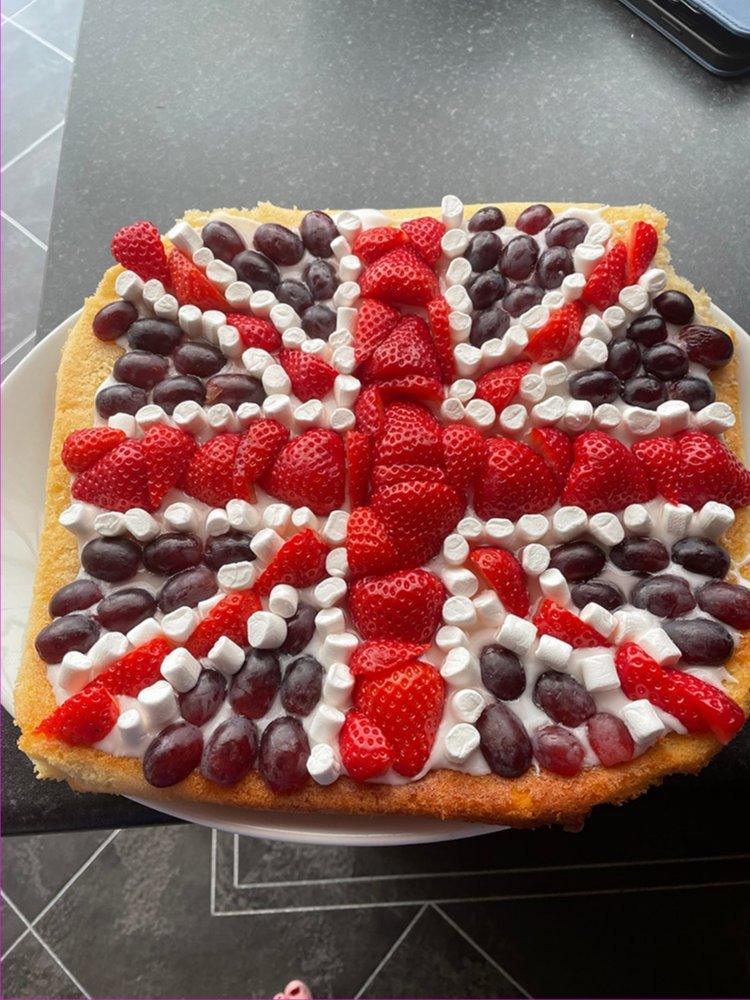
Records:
x=728, y=602
x=321, y=279
x=119, y=399
x=696, y=392
x=222, y=240
x=665, y=361
x=172, y=552
x=172, y=755
x=558, y=750
x=124, y=609
x=284, y=749
x=254, y=687
x=577, y=560
x=596, y=386
x=302, y=685
x=231, y=751
x=644, y=391
x=487, y=324
x=675, y=307
x=503, y=741
x=518, y=258
x=234, y=390
x=293, y=293
x=610, y=739
x=114, y=320
x=319, y=321
x=483, y=251
x=605, y=594
x=521, y=298
x=502, y=672
x=318, y=230
x=158, y=336
x=257, y=270
x=701, y=641
x=234, y=546
x=111, y=559
x=75, y=596
x=534, y=219
x=623, y=358
x=204, y=699
x=300, y=629
x=666, y=596
x=563, y=698
x=188, y=588
x=486, y=219
x=178, y=389
x=553, y=266
x=647, y=330
x=566, y=233
x=278, y=243
x=486, y=288
x=640, y=555
x=197, y=357
x=707, y=345
x=66, y=634
x=140, y=368
x=701, y=555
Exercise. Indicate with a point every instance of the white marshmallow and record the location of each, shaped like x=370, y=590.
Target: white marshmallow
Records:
x=190, y=417
x=110, y=524
x=153, y=291
x=350, y=268
x=283, y=316
x=534, y=318
x=459, y=611
x=641, y=422
x=713, y=519
x=569, y=522
x=463, y=389
x=129, y=287
x=185, y=238
x=330, y=591
x=256, y=361
x=470, y=528
x=341, y=247
x=467, y=358
x=501, y=531
x=75, y=672
x=654, y=280
x=141, y=525
x=348, y=225
x=179, y=624
x=452, y=410
x=334, y=530
x=124, y=422
x=554, y=373
x=480, y=414
x=237, y=575
x=531, y=388
x=279, y=407
x=242, y=516
x=328, y=621
x=606, y=528
x=599, y=672
x=451, y=211
x=554, y=585
x=637, y=519
x=276, y=381
x=531, y=528
x=190, y=319
x=309, y=414
x=226, y=656
x=181, y=516
x=674, y=416
x=181, y=669
x=553, y=652
x=607, y=416
x=337, y=563
x=460, y=668
x=346, y=389
x=294, y=337
x=615, y=318
x=590, y=353
x=676, y=518
x=550, y=411
x=323, y=764
x=347, y=293
x=150, y=415
x=303, y=517
x=342, y=419
x=212, y=321
x=594, y=327
x=572, y=286
x=715, y=418
x=131, y=727
x=467, y=704
x=340, y=338
x=144, y=631
x=517, y=634
x=578, y=415
x=599, y=619
x=460, y=742
x=586, y=256
x=553, y=299
x=634, y=299
x=108, y=647
x=217, y=522
x=660, y=647
x=221, y=274
x=222, y=419
x=158, y=705
x=343, y=360
x=325, y=724
x=459, y=272
x=489, y=608
x=450, y=637
x=631, y=624
x=458, y=299
x=516, y=340
x=238, y=295
x=535, y=559
x=599, y=233
x=283, y=600
x=278, y=516
x=265, y=630
x=493, y=353
x=230, y=342
x=513, y=418
x=337, y=647
x=460, y=582
x=346, y=319
x=166, y=307
x=459, y=325
x=643, y=722
x=262, y=302
x=455, y=550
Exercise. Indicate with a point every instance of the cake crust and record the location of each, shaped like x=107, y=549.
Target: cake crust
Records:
x=531, y=800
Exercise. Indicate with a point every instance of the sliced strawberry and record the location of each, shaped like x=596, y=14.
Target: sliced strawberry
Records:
x=400, y=276
x=369, y=546
x=309, y=472
x=139, y=248
x=210, y=472
x=191, y=286
x=513, y=480
x=369, y=411
x=708, y=470
x=438, y=312
x=607, y=278
x=258, y=448
x=373, y=659
x=418, y=516
x=410, y=434
x=406, y=351
x=405, y=472
x=364, y=750
x=660, y=456
x=118, y=481
x=559, y=335
x=504, y=573
x=552, y=619
x=84, y=719
x=255, y=331
x=404, y=605
x=311, y=377
x=136, y=670
x=375, y=321
x=605, y=475
x=643, y=242
x=425, y=234
x=370, y=244
x=411, y=387
x=642, y=677
x=300, y=562
x=721, y=714
x=168, y=452
x=407, y=705
x=464, y=450
x=227, y=618
x=500, y=386
x=85, y=447
x=359, y=448
x=556, y=448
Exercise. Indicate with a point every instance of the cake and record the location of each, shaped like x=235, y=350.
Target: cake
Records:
x=433, y=511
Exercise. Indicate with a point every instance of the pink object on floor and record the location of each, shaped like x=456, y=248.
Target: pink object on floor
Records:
x=296, y=990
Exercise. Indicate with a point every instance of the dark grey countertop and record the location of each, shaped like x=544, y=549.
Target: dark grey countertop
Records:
x=178, y=105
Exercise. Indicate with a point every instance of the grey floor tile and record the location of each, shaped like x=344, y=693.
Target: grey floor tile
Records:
x=13, y=926
x=22, y=274
x=11, y=7
x=29, y=186
x=56, y=21
x=35, y=92
x=35, y=868
x=150, y=892
x=434, y=960
x=30, y=971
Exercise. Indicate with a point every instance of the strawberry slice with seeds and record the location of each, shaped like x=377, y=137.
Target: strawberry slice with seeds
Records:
x=84, y=719
x=255, y=331
x=84, y=448
x=227, y=618
x=559, y=335
x=369, y=411
x=373, y=659
x=136, y=670
x=364, y=750
x=438, y=312
x=404, y=605
x=605, y=475
x=400, y=276
x=210, y=472
x=407, y=351
x=369, y=546
x=643, y=242
x=371, y=244
x=117, y=481
x=257, y=450
x=513, y=480
x=500, y=386
x=190, y=285
x=721, y=714
x=607, y=278
x=708, y=470
x=425, y=234
x=418, y=516
x=300, y=562
x=504, y=573
x=552, y=619
x=556, y=448
x=359, y=447
x=309, y=471
x=168, y=452
x=310, y=376
x=375, y=322
x=405, y=472
x=410, y=434
x=411, y=387
x=139, y=248
x=660, y=456
x=463, y=454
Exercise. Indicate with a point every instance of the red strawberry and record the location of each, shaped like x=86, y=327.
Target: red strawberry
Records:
x=660, y=456
x=138, y=248
x=504, y=573
x=407, y=705
x=407, y=351
x=410, y=434
x=500, y=385
x=363, y=747
x=370, y=244
x=309, y=472
x=359, y=448
x=418, y=516
x=405, y=472
x=168, y=452
x=375, y=321
x=708, y=470
x=369, y=411
x=311, y=377
x=438, y=312
x=559, y=335
x=412, y=387
x=464, y=449
x=425, y=234
x=643, y=241
x=85, y=447
x=607, y=278
x=191, y=286
x=513, y=480
x=400, y=276
x=372, y=659
x=300, y=562
x=721, y=714
x=369, y=546
x=228, y=617
x=556, y=448
x=258, y=447
x=551, y=619
x=84, y=719
x=136, y=670
x=404, y=605
x=255, y=331
x=210, y=472
x=605, y=475
x=118, y=481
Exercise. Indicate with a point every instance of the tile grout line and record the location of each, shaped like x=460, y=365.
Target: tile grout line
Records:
x=42, y=41
x=391, y=951
x=30, y=148
x=10, y=17
x=478, y=948
x=22, y=229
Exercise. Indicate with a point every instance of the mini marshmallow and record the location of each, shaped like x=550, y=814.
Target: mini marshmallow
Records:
x=489, y=608
x=346, y=319
x=517, y=634
x=554, y=653
x=534, y=318
x=131, y=727
x=212, y=321
x=129, y=287
x=531, y=528
x=226, y=656
x=513, y=418
x=230, y=342
x=206, y=606
x=323, y=764
x=190, y=416
x=451, y=212
x=262, y=302
x=459, y=611
x=467, y=704
x=460, y=668
x=150, y=415
x=554, y=373
x=458, y=299
x=141, y=525
x=316, y=345
x=535, y=559
x=144, y=631
x=108, y=647
x=455, y=549
x=256, y=361
x=715, y=418
x=467, y=358
x=642, y=720
x=158, y=704
x=599, y=672
x=452, y=410
x=572, y=286
x=606, y=528
x=303, y=517
x=283, y=316
x=337, y=562
x=329, y=621
x=586, y=256
x=674, y=416
x=217, y=522
x=348, y=225
x=594, y=327
x=266, y=543
x=590, y=353
x=337, y=647
x=641, y=422
x=190, y=319
x=242, y=516
x=342, y=419
x=599, y=233
x=631, y=624
x=634, y=299
x=185, y=238
x=238, y=295
x=283, y=600
x=531, y=388
x=222, y=419
x=654, y=280
x=459, y=325
x=325, y=724
x=463, y=389
x=181, y=516
x=334, y=530
x=615, y=318
x=470, y=528
x=153, y=291
x=553, y=300
x=279, y=407
x=179, y=624
x=550, y=411
x=276, y=381
x=166, y=307
x=347, y=293
x=294, y=337
x=713, y=519
x=124, y=422
x=637, y=519
x=450, y=637
x=181, y=669
x=75, y=672
x=460, y=582
x=657, y=644
x=460, y=742
x=340, y=338
x=501, y=531
x=346, y=389
x=480, y=414
x=599, y=619
x=343, y=360
x=110, y=524
x=459, y=272
x=330, y=591
x=277, y=516
x=569, y=522
x=554, y=585
x=578, y=416
x=265, y=630
x=676, y=518
x=309, y=414
x=221, y=274
x=493, y=353
x=607, y=416
x=341, y=247
x=237, y=575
